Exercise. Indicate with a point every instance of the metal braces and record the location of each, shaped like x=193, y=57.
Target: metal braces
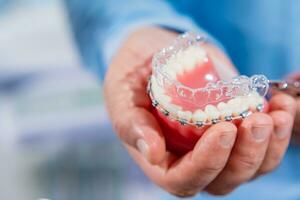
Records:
x=198, y=124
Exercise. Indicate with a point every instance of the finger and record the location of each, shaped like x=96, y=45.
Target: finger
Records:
x=127, y=103
x=283, y=123
x=282, y=109
x=297, y=120
x=139, y=129
x=199, y=167
x=247, y=155
x=283, y=102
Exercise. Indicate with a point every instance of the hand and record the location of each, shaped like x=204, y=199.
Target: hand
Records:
x=296, y=77
x=223, y=158
x=296, y=128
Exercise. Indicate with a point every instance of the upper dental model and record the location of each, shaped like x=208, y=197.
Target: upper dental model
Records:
x=191, y=86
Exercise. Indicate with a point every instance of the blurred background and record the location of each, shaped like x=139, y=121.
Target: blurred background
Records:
x=56, y=140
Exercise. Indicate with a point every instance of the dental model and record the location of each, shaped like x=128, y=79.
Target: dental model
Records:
x=191, y=90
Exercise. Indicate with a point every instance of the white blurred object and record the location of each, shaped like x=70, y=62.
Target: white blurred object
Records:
x=64, y=103
x=59, y=98
x=34, y=37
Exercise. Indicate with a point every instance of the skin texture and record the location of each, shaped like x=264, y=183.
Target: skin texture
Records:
x=223, y=158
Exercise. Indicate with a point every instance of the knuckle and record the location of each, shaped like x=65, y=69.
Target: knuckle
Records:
x=272, y=163
x=275, y=158
x=283, y=119
x=265, y=119
x=249, y=162
x=211, y=169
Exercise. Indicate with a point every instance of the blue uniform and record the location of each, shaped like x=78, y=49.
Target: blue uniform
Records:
x=260, y=36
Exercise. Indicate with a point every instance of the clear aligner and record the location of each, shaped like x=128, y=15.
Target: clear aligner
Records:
x=239, y=88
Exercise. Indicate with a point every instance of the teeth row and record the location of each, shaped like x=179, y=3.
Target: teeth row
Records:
x=185, y=60
x=234, y=108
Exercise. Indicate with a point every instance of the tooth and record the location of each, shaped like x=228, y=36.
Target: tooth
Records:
x=222, y=106
x=175, y=66
x=235, y=105
x=199, y=116
x=212, y=112
x=192, y=56
x=163, y=99
x=234, y=102
x=172, y=108
x=186, y=115
x=156, y=89
x=165, y=102
x=259, y=100
x=172, y=73
x=254, y=101
x=243, y=105
x=224, y=109
x=188, y=62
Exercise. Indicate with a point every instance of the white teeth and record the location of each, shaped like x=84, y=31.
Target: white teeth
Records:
x=254, y=100
x=222, y=106
x=186, y=115
x=176, y=67
x=186, y=60
x=224, y=109
x=234, y=102
x=212, y=112
x=243, y=106
x=259, y=100
x=172, y=74
x=155, y=88
x=234, y=105
x=163, y=99
x=199, y=116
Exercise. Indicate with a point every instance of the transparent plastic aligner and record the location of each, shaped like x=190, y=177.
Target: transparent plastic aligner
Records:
x=188, y=77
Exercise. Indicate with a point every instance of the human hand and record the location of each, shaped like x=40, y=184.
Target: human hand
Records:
x=224, y=157
x=296, y=129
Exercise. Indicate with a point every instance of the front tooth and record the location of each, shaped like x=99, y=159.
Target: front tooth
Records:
x=254, y=101
x=234, y=105
x=212, y=112
x=199, y=116
x=222, y=106
x=234, y=102
x=224, y=109
x=244, y=106
x=188, y=60
x=186, y=115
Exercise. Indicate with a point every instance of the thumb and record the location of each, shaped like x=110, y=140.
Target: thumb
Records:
x=139, y=129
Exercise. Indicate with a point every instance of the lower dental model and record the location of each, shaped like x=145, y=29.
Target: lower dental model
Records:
x=190, y=90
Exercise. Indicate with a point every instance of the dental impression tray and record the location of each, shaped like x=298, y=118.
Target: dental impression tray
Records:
x=192, y=89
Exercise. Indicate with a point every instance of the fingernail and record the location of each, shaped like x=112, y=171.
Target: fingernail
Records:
x=227, y=140
x=142, y=147
x=282, y=132
x=260, y=134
